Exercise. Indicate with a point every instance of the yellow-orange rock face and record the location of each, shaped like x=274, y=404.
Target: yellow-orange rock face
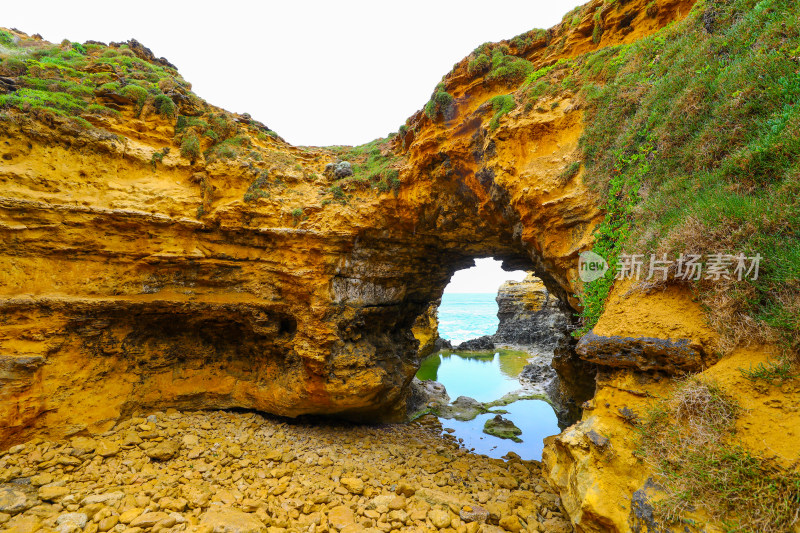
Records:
x=130, y=282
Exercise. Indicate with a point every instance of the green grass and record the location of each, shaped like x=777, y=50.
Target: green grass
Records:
x=722, y=173
x=501, y=105
x=60, y=103
x=373, y=166
x=507, y=68
x=777, y=370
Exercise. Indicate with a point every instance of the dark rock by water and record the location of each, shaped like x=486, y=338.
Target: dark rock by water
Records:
x=529, y=315
x=477, y=345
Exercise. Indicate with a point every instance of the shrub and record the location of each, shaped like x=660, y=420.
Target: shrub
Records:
x=501, y=105
x=479, y=65
x=337, y=192
x=136, y=93
x=164, y=105
x=6, y=39
x=256, y=189
x=12, y=66
x=440, y=105
x=508, y=68
x=597, y=31
x=190, y=146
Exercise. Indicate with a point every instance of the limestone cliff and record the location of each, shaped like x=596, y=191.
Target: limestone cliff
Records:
x=528, y=315
x=426, y=329
x=161, y=252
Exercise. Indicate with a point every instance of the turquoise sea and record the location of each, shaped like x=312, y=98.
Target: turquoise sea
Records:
x=466, y=316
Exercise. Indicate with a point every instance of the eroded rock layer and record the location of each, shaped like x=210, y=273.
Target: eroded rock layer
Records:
x=528, y=315
x=136, y=273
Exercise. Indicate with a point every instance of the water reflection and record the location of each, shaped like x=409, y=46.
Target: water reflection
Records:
x=485, y=376
x=488, y=376
x=535, y=418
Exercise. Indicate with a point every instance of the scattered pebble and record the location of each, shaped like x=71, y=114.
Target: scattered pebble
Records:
x=221, y=472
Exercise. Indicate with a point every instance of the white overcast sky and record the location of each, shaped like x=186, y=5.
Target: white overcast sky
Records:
x=317, y=72
x=485, y=276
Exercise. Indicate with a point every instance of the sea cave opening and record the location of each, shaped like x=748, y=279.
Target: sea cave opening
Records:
x=491, y=341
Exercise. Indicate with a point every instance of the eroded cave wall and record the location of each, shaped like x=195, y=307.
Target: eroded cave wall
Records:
x=130, y=281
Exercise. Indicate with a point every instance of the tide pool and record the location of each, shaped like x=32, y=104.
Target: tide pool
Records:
x=488, y=376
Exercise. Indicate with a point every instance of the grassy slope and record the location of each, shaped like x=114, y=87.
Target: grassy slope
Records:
x=693, y=135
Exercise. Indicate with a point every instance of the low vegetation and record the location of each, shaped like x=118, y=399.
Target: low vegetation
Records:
x=501, y=105
x=708, y=163
x=689, y=439
x=440, y=106
x=374, y=166
x=258, y=189
x=495, y=62
x=774, y=371
x=88, y=83
x=78, y=81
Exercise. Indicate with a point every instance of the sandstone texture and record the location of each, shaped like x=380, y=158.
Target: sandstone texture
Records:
x=138, y=272
x=137, y=276
x=529, y=315
x=243, y=473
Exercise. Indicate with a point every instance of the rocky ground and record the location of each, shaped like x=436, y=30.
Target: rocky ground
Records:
x=242, y=473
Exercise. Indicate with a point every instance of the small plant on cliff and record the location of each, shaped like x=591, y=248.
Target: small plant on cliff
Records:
x=256, y=189
x=338, y=193
x=570, y=172
x=780, y=369
x=440, y=105
x=6, y=39
x=597, y=30
x=689, y=439
x=164, y=105
x=158, y=156
x=190, y=146
x=501, y=105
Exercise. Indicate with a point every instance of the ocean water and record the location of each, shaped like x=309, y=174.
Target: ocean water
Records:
x=535, y=418
x=466, y=316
